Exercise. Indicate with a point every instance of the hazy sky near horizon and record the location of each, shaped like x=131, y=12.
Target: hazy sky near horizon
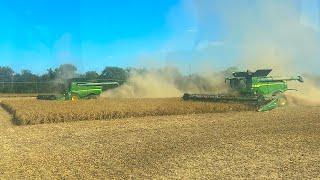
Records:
x=93, y=34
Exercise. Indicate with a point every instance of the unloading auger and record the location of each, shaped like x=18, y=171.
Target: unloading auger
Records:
x=257, y=88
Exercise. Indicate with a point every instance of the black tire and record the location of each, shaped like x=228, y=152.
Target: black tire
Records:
x=92, y=96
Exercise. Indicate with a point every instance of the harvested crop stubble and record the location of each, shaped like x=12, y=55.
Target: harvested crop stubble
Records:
x=39, y=112
x=17, y=95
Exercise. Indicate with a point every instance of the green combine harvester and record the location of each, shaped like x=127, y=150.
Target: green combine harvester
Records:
x=81, y=90
x=255, y=88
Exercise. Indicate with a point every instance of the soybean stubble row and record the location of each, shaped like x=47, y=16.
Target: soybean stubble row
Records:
x=32, y=111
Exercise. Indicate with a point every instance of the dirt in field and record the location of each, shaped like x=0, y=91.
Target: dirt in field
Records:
x=283, y=143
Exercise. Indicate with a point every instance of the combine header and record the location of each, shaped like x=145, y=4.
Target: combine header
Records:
x=255, y=88
x=81, y=90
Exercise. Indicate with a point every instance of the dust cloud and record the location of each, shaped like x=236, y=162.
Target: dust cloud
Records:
x=168, y=82
x=147, y=85
x=270, y=34
x=308, y=93
x=259, y=34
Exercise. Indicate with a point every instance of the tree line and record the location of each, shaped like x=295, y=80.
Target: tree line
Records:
x=54, y=80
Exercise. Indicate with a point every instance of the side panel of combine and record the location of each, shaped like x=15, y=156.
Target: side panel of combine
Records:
x=81, y=90
x=269, y=88
x=85, y=91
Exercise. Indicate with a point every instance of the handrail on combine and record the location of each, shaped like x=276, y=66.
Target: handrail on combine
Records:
x=97, y=84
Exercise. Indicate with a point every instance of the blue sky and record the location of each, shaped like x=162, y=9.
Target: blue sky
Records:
x=89, y=33
x=93, y=34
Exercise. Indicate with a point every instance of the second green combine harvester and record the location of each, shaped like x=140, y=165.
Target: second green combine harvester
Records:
x=78, y=89
x=255, y=88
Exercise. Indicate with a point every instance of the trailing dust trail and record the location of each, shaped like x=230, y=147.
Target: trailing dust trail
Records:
x=5, y=119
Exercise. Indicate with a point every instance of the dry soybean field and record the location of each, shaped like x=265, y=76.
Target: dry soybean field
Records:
x=283, y=143
x=32, y=111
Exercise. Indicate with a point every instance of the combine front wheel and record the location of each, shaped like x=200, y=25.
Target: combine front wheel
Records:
x=74, y=97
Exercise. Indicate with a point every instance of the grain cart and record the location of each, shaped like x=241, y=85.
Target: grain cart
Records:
x=257, y=88
x=81, y=90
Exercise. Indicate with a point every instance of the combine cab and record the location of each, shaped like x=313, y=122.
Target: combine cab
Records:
x=255, y=88
x=81, y=90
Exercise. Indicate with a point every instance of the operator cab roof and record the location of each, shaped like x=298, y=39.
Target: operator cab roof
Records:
x=258, y=73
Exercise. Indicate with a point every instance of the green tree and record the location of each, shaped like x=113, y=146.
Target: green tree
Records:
x=6, y=73
x=114, y=73
x=66, y=71
x=27, y=75
x=50, y=75
x=90, y=75
x=24, y=82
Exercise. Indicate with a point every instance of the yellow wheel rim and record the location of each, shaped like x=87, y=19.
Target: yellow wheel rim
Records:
x=74, y=98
